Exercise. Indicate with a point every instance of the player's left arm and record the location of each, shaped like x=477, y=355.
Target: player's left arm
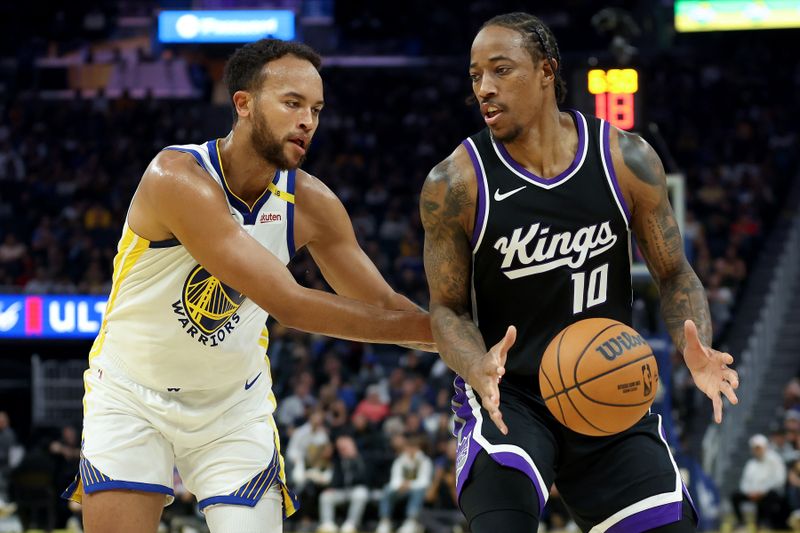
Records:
x=325, y=228
x=684, y=305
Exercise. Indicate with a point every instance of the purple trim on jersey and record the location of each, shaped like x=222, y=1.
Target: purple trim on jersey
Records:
x=561, y=177
x=512, y=460
x=690, y=500
x=466, y=453
x=480, y=211
x=649, y=519
x=290, y=214
x=663, y=434
x=606, y=133
x=468, y=447
x=460, y=405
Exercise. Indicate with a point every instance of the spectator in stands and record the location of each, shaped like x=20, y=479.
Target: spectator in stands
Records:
x=294, y=408
x=791, y=424
x=791, y=394
x=762, y=483
x=783, y=442
x=793, y=495
x=411, y=475
x=441, y=512
x=374, y=448
x=12, y=254
x=309, y=455
x=373, y=407
x=348, y=485
x=8, y=439
x=66, y=454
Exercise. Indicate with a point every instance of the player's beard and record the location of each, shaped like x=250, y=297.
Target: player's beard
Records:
x=510, y=136
x=267, y=144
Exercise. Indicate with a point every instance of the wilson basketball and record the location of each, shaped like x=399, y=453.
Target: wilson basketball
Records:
x=598, y=376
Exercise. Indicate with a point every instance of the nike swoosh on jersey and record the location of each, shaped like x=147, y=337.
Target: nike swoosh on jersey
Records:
x=499, y=197
x=250, y=384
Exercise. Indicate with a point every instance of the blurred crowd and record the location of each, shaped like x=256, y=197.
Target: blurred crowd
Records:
x=366, y=429
x=769, y=489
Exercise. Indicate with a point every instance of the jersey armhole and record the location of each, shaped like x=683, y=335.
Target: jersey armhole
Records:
x=610, y=173
x=290, y=186
x=482, y=204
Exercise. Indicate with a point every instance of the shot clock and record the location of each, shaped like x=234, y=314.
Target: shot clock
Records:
x=613, y=94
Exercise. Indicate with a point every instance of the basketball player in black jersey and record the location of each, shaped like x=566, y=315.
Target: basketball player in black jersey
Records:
x=527, y=230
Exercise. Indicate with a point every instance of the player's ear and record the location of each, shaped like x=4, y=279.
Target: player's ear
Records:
x=548, y=68
x=243, y=103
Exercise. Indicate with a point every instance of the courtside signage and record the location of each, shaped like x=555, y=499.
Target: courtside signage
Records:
x=51, y=317
x=230, y=26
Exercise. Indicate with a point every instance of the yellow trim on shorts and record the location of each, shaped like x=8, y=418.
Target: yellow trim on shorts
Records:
x=130, y=249
x=289, y=506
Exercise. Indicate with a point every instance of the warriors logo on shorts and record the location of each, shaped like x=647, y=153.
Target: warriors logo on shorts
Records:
x=208, y=302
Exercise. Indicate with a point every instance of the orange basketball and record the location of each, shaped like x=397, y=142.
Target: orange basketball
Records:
x=598, y=376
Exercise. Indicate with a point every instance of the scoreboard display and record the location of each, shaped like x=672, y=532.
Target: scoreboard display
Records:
x=611, y=94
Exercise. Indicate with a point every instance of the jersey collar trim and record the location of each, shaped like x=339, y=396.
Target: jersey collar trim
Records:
x=249, y=214
x=577, y=162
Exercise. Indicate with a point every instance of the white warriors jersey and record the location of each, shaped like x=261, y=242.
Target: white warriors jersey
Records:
x=170, y=324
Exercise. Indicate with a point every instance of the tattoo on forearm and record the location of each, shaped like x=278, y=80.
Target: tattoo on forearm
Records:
x=682, y=295
x=459, y=341
x=682, y=298
x=444, y=205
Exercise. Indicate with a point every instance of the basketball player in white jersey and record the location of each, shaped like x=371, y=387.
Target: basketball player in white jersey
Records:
x=178, y=375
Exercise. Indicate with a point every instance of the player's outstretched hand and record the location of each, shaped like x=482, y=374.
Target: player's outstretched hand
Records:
x=486, y=374
x=710, y=370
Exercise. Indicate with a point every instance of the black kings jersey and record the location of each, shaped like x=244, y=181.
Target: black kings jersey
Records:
x=547, y=252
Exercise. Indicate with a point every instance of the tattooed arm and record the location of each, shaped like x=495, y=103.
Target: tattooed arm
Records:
x=447, y=209
x=684, y=306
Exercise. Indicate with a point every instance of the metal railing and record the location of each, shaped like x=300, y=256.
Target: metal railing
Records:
x=756, y=359
x=56, y=391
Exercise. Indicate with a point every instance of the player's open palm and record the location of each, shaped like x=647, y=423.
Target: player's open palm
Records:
x=486, y=374
x=710, y=370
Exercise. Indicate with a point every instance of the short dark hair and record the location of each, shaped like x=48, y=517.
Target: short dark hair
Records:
x=243, y=71
x=539, y=41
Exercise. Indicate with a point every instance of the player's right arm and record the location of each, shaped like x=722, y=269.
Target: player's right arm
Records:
x=447, y=209
x=177, y=198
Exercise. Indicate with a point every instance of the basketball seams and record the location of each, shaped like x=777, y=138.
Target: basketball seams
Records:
x=598, y=385
x=558, y=401
x=575, y=408
x=578, y=385
x=561, y=377
x=607, y=372
x=558, y=358
x=588, y=345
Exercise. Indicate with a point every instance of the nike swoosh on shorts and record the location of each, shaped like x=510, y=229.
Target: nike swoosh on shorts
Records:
x=250, y=384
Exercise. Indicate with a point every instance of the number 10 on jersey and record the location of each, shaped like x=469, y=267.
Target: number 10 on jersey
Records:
x=588, y=295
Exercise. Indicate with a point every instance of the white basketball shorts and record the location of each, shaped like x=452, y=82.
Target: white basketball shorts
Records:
x=223, y=441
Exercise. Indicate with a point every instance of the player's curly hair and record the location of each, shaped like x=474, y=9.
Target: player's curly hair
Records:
x=539, y=40
x=244, y=69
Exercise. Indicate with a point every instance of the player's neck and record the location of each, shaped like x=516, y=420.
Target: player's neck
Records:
x=246, y=172
x=548, y=146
